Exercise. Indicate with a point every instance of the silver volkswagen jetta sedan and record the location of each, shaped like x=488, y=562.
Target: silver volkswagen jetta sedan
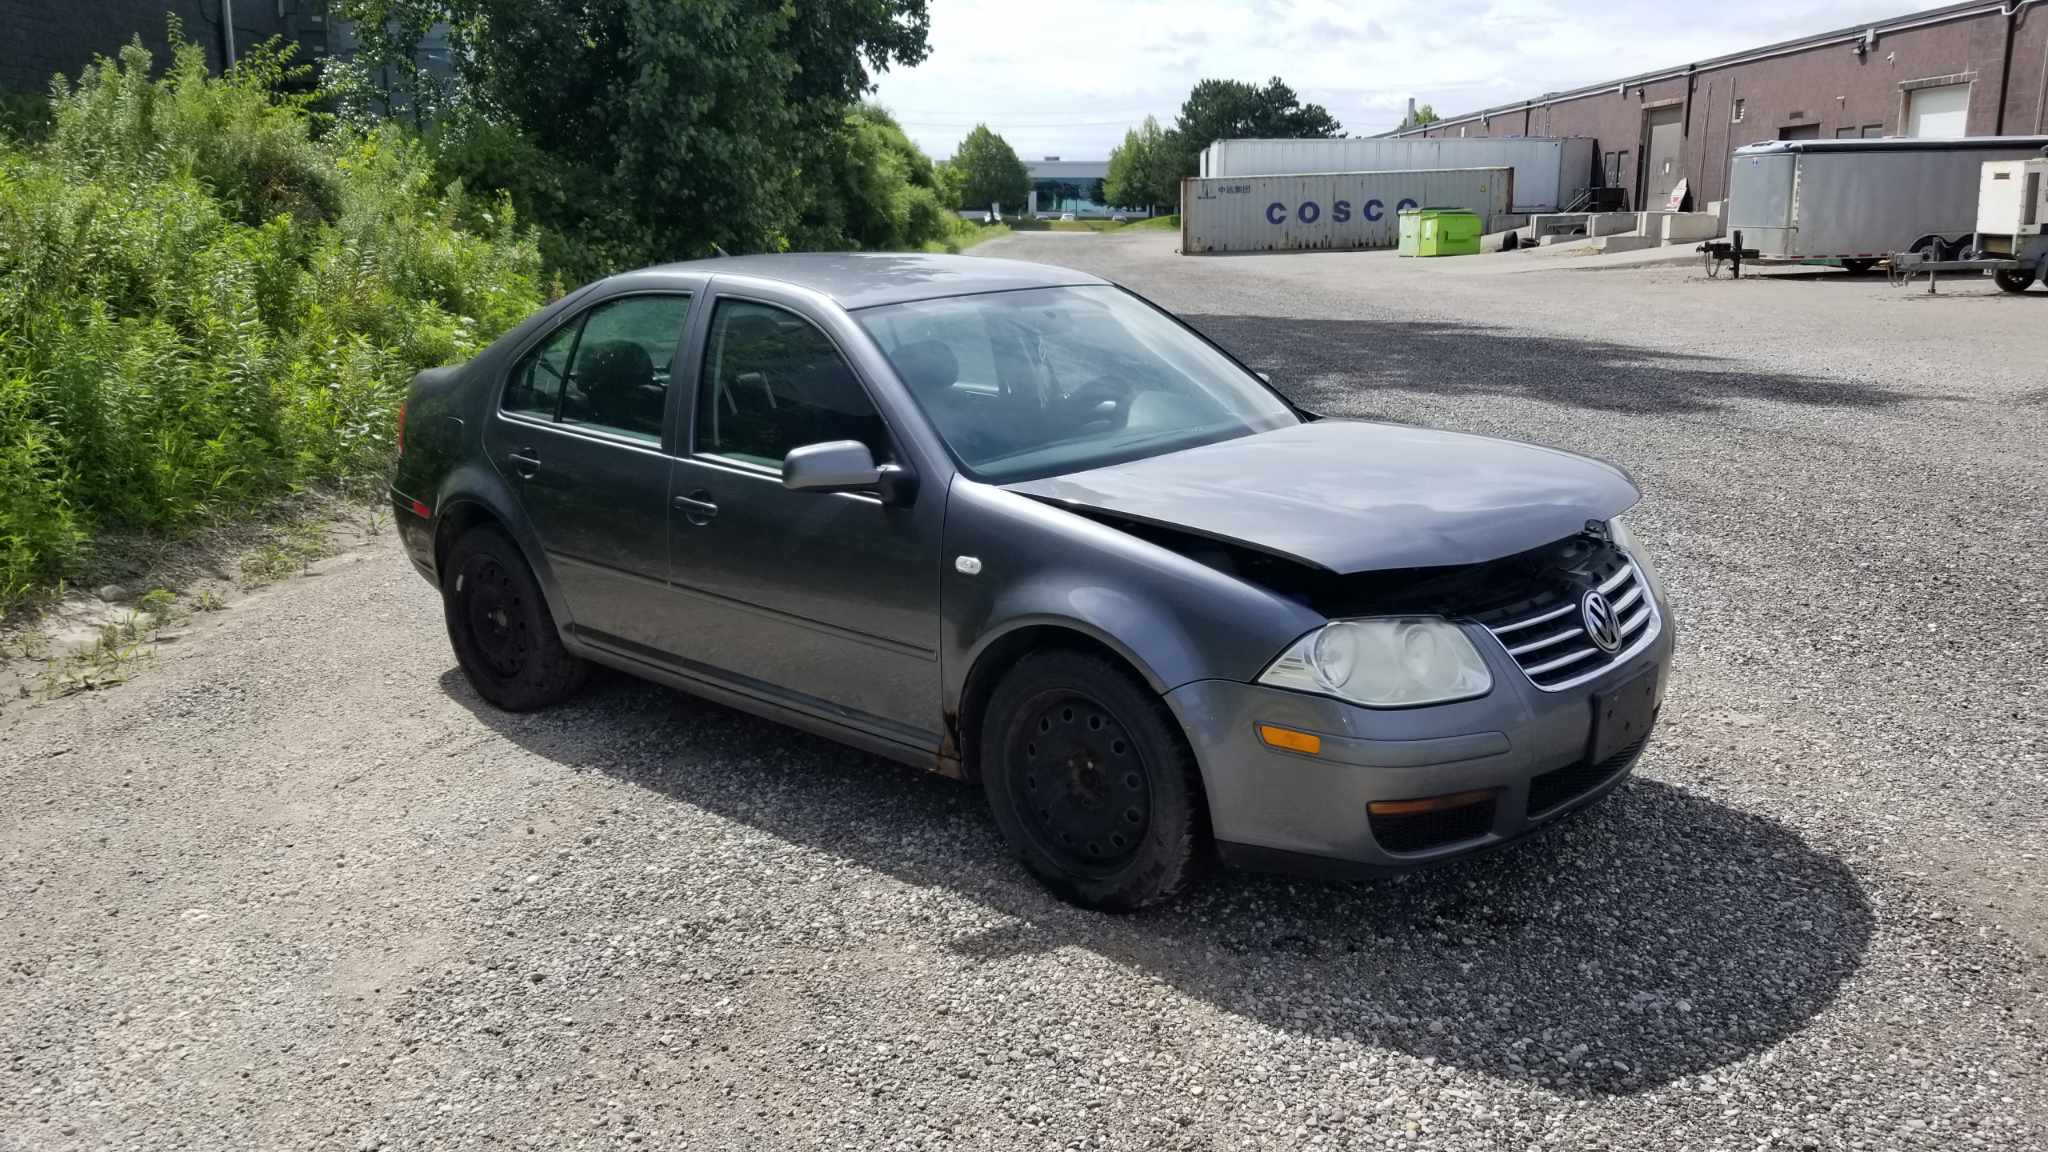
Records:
x=1016, y=524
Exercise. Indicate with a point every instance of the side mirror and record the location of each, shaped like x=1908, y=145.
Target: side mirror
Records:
x=844, y=466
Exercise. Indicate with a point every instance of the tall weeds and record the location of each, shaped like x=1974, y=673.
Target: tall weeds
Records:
x=209, y=297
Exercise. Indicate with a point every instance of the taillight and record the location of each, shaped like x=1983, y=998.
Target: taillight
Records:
x=401, y=427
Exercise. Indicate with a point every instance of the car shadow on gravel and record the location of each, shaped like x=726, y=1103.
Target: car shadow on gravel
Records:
x=1333, y=364
x=1656, y=935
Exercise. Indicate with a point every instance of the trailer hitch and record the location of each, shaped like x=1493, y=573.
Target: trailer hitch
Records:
x=1714, y=253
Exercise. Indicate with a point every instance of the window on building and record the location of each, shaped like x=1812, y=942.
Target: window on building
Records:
x=1940, y=112
x=1735, y=117
x=1847, y=132
x=1872, y=131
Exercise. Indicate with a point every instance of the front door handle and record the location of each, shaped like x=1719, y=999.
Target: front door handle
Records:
x=697, y=507
x=524, y=462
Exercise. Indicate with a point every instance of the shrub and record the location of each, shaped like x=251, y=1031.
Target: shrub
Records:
x=204, y=302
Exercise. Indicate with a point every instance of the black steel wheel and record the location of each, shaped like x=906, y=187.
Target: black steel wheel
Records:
x=1078, y=782
x=1091, y=780
x=500, y=627
x=2016, y=281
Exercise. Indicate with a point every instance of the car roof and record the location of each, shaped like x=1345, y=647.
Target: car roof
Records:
x=866, y=279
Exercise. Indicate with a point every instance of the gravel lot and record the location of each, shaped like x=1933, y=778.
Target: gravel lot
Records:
x=295, y=887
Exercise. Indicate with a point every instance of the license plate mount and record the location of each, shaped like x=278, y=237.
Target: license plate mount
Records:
x=1623, y=715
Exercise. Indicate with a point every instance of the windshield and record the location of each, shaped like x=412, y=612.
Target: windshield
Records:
x=1035, y=383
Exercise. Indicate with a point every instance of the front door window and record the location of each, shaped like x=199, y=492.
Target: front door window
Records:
x=774, y=382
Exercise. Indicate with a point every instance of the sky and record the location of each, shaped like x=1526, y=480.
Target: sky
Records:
x=1058, y=78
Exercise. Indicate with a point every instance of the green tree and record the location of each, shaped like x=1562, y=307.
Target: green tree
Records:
x=1232, y=110
x=990, y=172
x=680, y=125
x=1144, y=171
x=384, y=77
x=1422, y=117
x=872, y=188
x=951, y=182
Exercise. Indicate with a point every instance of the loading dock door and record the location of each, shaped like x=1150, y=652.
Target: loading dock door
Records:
x=1663, y=152
x=1942, y=112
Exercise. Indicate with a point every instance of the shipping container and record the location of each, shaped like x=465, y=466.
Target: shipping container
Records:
x=1859, y=201
x=1551, y=173
x=1341, y=210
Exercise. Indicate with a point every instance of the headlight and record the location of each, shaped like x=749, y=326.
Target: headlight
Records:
x=1627, y=542
x=1391, y=662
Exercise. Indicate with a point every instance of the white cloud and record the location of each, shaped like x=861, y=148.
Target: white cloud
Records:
x=1067, y=78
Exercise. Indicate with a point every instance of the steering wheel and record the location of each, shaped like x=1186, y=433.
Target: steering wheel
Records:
x=1098, y=406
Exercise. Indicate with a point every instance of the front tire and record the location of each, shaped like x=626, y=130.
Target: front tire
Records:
x=1092, y=782
x=2014, y=281
x=499, y=624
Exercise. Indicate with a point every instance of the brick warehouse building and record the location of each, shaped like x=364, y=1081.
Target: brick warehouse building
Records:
x=1976, y=69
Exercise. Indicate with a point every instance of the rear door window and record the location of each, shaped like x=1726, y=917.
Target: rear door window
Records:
x=619, y=380
x=607, y=369
x=536, y=386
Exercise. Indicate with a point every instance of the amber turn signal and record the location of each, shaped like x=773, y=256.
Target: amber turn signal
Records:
x=1288, y=738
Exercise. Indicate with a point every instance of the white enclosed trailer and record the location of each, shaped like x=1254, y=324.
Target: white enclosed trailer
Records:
x=1858, y=201
x=1551, y=173
x=1341, y=210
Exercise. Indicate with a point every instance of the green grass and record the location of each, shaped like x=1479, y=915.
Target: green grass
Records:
x=207, y=306
x=966, y=234
x=1169, y=223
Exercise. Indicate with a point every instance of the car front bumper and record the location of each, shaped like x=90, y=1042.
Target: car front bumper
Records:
x=1514, y=760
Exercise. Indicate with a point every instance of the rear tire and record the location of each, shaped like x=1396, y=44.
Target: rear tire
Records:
x=499, y=624
x=2014, y=281
x=1092, y=782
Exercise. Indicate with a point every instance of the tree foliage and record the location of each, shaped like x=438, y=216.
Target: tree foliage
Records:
x=1145, y=170
x=1424, y=116
x=990, y=172
x=673, y=127
x=876, y=189
x=1232, y=110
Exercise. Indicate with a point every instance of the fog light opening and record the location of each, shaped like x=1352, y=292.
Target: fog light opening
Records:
x=1428, y=803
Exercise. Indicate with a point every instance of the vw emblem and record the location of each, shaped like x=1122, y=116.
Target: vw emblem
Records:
x=1601, y=626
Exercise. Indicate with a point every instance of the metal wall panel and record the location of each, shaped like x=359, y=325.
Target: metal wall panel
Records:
x=1330, y=211
x=1549, y=173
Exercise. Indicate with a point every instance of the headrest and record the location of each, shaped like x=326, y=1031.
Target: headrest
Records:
x=927, y=366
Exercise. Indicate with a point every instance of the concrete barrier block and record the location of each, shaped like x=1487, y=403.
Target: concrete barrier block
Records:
x=1611, y=223
x=1689, y=227
x=1557, y=224
x=1624, y=243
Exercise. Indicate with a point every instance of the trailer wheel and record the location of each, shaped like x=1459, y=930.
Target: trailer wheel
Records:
x=1858, y=267
x=2014, y=281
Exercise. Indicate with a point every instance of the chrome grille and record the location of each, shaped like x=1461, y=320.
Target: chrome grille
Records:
x=1553, y=649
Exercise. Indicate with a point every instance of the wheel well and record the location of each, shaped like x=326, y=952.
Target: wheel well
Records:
x=453, y=522
x=1004, y=652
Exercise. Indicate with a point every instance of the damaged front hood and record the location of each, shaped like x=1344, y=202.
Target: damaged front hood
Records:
x=1348, y=496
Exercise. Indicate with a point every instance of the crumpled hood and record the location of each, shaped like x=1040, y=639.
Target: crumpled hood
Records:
x=1349, y=496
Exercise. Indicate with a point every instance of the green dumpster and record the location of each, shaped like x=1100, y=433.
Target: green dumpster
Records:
x=1439, y=232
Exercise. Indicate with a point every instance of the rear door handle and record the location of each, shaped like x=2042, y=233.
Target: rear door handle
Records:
x=695, y=507
x=524, y=462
